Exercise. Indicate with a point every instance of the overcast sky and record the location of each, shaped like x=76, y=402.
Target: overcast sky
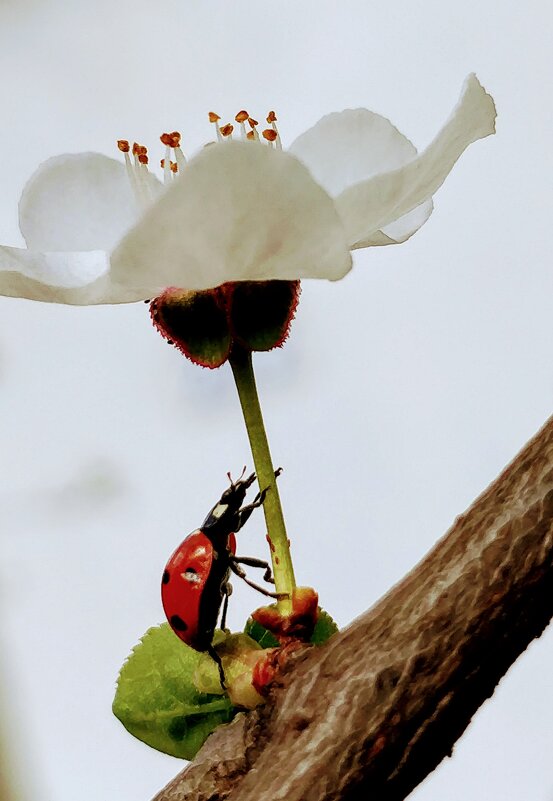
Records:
x=403, y=390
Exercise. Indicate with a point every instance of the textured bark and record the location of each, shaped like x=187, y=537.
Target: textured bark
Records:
x=370, y=714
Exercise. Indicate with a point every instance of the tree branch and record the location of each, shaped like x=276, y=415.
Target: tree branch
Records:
x=372, y=713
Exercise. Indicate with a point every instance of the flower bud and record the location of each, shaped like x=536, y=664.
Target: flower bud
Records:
x=298, y=624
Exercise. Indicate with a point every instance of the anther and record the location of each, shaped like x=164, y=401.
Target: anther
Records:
x=227, y=129
x=138, y=150
x=271, y=119
x=143, y=158
x=241, y=118
x=173, y=166
x=123, y=145
x=171, y=139
x=253, y=133
x=214, y=118
x=269, y=135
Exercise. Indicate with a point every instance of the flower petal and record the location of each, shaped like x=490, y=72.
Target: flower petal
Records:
x=371, y=205
x=239, y=211
x=349, y=146
x=400, y=230
x=79, y=201
x=346, y=147
x=76, y=278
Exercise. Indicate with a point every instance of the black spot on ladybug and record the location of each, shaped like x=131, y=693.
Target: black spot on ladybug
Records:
x=177, y=623
x=170, y=342
x=165, y=579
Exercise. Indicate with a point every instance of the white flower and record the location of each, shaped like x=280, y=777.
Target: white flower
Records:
x=238, y=211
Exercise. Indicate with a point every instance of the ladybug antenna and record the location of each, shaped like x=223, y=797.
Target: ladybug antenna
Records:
x=239, y=479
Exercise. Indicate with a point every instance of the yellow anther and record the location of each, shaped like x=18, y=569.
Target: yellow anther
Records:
x=213, y=117
x=250, y=135
x=269, y=135
x=123, y=145
x=242, y=116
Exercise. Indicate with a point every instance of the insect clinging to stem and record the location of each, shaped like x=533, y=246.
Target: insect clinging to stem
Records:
x=195, y=581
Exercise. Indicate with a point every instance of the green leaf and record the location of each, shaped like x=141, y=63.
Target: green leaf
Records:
x=156, y=699
x=325, y=627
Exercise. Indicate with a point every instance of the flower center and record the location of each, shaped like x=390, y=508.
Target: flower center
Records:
x=136, y=156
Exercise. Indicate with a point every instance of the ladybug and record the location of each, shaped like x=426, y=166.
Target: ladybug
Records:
x=195, y=581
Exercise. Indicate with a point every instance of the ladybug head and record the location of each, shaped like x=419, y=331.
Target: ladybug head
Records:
x=237, y=490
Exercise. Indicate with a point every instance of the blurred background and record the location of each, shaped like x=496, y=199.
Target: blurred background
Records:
x=403, y=390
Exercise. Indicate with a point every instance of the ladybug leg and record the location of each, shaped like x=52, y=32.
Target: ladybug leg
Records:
x=260, y=497
x=227, y=591
x=245, y=512
x=216, y=658
x=251, y=562
x=239, y=572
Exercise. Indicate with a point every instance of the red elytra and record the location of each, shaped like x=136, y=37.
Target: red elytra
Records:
x=185, y=589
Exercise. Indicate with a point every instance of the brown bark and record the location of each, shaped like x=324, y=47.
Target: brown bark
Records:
x=372, y=712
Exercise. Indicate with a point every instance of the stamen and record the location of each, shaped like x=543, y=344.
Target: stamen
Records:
x=172, y=142
x=214, y=118
x=241, y=117
x=271, y=119
x=143, y=188
x=124, y=147
x=252, y=123
x=227, y=130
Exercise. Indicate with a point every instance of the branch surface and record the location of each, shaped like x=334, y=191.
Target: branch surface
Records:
x=374, y=711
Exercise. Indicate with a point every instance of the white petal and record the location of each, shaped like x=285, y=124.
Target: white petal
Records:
x=239, y=211
x=350, y=146
x=400, y=230
x=371, y=205
x=79, y=279
x=79, y=201
x=76, y=278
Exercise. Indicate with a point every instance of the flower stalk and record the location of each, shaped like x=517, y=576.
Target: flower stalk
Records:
x=283, y=571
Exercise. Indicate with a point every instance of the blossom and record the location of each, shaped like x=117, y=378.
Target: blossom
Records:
x=100, y=231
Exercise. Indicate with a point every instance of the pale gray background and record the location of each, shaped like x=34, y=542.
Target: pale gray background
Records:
x=403, y=390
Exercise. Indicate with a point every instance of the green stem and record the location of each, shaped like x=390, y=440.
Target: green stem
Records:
x=283, y=571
